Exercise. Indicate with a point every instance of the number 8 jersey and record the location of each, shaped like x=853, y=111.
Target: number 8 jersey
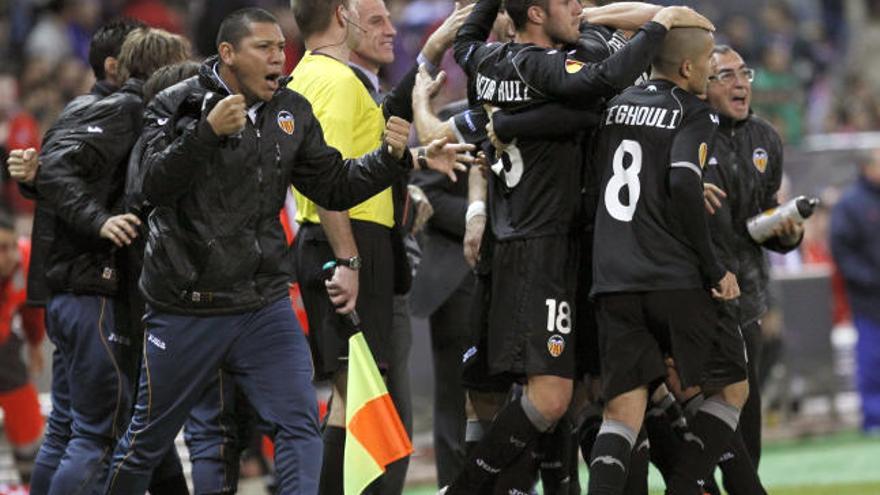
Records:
x=646, y=131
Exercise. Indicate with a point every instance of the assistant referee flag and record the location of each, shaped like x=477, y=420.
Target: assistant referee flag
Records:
x=374, y=435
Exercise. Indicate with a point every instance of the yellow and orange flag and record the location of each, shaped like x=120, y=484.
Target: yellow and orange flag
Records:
x=374, y=435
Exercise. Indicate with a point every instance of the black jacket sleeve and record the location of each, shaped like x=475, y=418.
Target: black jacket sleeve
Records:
x=470, y=42
x=323, y=176
x=398, y=101
x=686, y=195
x=29, y=191
x=87, y=156
x=449, y=200
x=172, y=160
x=558, y=77
x=550, y=121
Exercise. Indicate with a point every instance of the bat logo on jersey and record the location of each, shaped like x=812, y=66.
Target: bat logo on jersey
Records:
x=555, y=345
x=704, y=153
x=573, y=66
x=285, y=122
x=759, y=158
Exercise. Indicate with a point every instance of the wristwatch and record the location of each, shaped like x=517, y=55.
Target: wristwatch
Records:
x=422, y=158
x=354, y=262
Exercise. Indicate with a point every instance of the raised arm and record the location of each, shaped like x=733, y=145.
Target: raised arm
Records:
x=628, y=16
x=471, y=38
x=400, y=99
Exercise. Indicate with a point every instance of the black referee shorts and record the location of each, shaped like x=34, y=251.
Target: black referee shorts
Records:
x=532, y=313
x=637, y=330
x=328, y=331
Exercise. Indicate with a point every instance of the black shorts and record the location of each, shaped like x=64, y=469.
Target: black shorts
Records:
x=531, y=314
x=475, y=361
x=729, y=360
x=587, y=330
x=637, y=330
x=328, y=331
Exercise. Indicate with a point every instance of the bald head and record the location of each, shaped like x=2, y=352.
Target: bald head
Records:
x=685, y=58
x=681, y=44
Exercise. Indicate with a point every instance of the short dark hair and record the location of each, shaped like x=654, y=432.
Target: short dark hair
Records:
x=237, y=25
x=313, y=16
x=518, y=10
x=147, y=49
x=168, y=76
x=107, y=41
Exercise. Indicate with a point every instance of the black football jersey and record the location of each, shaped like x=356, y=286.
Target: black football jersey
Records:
x=646, y=131
x=535, y=190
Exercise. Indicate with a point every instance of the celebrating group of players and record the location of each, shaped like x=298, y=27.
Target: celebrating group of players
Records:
x=609, y=274
x=606, y=311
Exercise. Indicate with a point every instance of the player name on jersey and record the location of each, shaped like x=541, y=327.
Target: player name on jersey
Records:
x=503, y=91
x=635, y=115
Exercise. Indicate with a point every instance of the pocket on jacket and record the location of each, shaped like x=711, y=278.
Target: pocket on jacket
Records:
x=228, y=261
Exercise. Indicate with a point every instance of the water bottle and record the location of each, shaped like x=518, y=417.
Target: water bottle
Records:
x=798, y=209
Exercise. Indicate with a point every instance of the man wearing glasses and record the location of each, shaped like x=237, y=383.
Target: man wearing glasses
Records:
x=747, y=165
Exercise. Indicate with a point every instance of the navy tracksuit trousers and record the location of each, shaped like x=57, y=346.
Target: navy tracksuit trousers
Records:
x=265, y=353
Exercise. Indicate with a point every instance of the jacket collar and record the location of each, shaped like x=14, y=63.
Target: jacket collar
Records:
x=103, y=88
x=727, y=123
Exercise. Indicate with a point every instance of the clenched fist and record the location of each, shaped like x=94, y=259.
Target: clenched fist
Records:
x=396, y=136
x=23, y=165
x=229, y=116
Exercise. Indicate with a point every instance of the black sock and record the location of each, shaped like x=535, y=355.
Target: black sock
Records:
x=588, y=432
x=473, y=432
x=710, y=487
x=711, y=431
x=637, y=477
x=556, y=447
x=740, y=475
x=332, y=466
x=610, y=458
x=510, y=434
x=520, y=476
x=666, y=445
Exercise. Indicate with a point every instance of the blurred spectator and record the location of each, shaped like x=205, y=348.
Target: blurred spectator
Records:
x=156, y=13
x=778, y=93
x=855, y=245
x=18, y=129
x=741, y=36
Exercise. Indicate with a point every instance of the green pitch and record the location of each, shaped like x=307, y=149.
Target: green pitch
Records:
x=845, y=464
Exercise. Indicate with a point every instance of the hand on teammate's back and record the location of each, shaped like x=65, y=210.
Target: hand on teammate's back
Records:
x=682, y=17
x=712, y=196
x=727, y=289
x=121, y=229
x=427, y=86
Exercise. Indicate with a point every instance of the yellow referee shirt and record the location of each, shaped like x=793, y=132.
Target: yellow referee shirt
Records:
x=352, y=123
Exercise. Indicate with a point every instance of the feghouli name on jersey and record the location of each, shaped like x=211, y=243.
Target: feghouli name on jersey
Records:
x=637, y=115
x=503, y=91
